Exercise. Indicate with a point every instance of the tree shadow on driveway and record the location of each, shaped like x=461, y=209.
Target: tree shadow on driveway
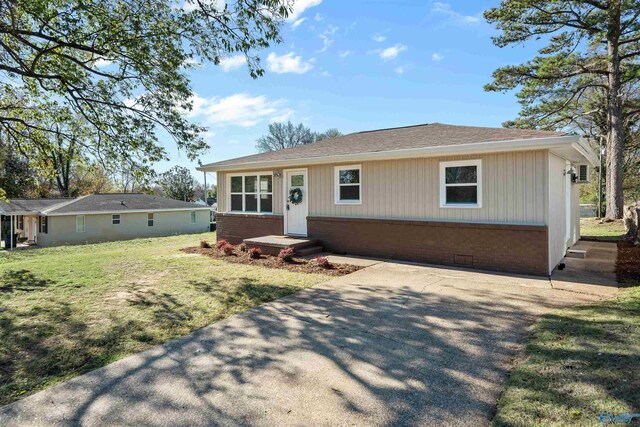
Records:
x=399, y=350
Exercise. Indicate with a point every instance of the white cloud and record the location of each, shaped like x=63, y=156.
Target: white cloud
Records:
x=325, y=73
x=327, y=39
x=392, y=52
x=239, y=110
x=297, y=22
x=437, y=57
x=378, y=38
x=399, y=70
x=288, y=63
x=446, y=10
x=233, y=62
x=101, y=63
x=318, y=17
x=300, y=6
x=344, y=53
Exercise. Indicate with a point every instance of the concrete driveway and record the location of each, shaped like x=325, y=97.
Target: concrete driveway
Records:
x=392, y=344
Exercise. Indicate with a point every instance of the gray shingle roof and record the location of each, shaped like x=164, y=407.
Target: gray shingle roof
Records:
x=116, y=202
x=419, y=136
x=15, y=206
x=122, y=202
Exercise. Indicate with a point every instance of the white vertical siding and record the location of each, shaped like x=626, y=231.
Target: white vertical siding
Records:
x=513, y=190
x=557, y=210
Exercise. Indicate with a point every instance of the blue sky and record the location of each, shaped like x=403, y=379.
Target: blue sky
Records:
x=357, y=65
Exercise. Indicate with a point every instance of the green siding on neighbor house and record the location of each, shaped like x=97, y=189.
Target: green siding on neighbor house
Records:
x=99, y=227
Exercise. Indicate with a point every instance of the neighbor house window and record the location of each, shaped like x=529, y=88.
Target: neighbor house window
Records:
x=20, y=224
x=348, y=184
x=115, y=219
x=79, y=223
x=44, y=224
x=150, y=220
x=461, y=184
x=193, y=217
x=251, y=192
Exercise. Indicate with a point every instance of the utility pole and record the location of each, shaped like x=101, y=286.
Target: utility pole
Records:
x=205, y=188
x=600, y=182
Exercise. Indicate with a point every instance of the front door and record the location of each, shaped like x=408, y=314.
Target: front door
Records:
x=295, y=214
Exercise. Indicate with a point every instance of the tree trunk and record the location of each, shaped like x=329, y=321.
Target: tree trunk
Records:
x=615, y=119
x=632, y=223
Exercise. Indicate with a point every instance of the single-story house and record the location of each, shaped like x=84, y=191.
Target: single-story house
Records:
x=97, y=218
x=491, y=198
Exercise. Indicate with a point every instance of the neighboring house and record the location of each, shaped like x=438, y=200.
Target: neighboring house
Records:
x=501, y=199
x=99, y=217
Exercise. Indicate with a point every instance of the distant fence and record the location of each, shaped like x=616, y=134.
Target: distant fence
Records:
x=588, y=211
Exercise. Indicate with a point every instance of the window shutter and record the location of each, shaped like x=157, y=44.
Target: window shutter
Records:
x=583, y=173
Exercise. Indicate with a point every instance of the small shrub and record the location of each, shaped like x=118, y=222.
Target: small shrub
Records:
x=204, y=244
x=221, y=243
x=286, y=255
x=227, y=249
x=255, y=253
x=242, y=247
x=323, y=262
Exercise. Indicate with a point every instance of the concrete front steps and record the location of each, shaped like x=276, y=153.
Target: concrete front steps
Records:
x=273, y=244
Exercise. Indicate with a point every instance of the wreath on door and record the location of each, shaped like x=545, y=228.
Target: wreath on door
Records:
x=295, y=196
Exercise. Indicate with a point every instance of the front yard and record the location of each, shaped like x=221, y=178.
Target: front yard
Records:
x=65, y=311
x=579, y=362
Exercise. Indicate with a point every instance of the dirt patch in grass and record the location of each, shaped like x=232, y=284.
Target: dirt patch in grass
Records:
x=628, y=264
x=298, y=265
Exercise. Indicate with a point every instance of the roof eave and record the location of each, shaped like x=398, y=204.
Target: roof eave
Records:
x=109, y=212
x=462, y=149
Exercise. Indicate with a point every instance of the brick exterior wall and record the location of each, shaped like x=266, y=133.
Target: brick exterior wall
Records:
x=510, y=248
x=236, y=227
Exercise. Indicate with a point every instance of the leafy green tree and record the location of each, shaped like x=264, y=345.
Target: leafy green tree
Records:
x=591, y=51
x=120, y=65
x=16, y=176
x=178, y=183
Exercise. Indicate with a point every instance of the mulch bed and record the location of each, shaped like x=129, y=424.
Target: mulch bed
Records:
x=628, y=264
x=298, y=265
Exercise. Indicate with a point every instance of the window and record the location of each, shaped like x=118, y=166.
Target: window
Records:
x=461, y=184
x=193, y=217
x=115, y=219
x=252, y=192
x=149, y=220
x=44, y=224
x=80, y=224
x=20, y=222
x=348, y=184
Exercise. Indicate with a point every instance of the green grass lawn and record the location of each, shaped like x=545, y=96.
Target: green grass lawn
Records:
x=591, y=228
x=67, y=310
x=579, y=362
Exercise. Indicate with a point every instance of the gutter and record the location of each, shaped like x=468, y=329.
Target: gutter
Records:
x=407, y=153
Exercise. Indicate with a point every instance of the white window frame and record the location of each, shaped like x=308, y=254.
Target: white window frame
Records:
x=193, y=217
x=114, y=219
x=444, y=185
x=337, y=185
x=84, y=224
x=257, y=193
x=151, y=217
